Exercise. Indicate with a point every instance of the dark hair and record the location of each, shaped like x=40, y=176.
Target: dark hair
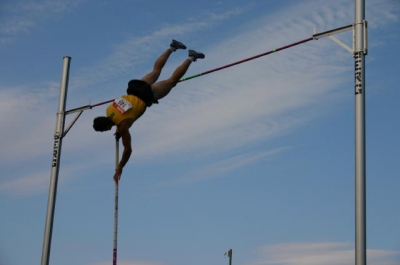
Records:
x=101, y=124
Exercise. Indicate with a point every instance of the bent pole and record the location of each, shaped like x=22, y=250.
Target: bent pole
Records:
x=58, y=136
x=116, y=204
x=248, y=59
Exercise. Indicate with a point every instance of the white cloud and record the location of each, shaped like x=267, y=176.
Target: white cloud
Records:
x=35, y=179
x=26, y=111
x=23, y=16
x=133, y=51
x=224, y=166
x=380, y=12
x=321, y=253
x=32, y=184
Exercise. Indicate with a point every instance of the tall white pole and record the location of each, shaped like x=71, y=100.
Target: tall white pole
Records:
x=360, y=168
x=55, y=161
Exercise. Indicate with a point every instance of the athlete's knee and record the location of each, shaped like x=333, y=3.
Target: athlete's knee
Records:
x=156, y=72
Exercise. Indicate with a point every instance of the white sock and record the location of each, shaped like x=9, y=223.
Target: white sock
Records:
x=172, y=48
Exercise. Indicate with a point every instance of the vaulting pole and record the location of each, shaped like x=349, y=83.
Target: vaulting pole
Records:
x=360, y=168
x=116, y=203
x=58, y=135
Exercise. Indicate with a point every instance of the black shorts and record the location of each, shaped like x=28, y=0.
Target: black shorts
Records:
x=141, y=90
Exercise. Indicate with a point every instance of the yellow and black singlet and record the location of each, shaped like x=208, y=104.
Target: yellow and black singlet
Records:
x=126, y=107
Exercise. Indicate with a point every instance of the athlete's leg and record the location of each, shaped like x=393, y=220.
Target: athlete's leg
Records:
x=152, y=77
x=162, y=88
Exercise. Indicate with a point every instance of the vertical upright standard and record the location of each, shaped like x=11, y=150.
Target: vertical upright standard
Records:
x=360, y=50
x=229, y=255
x=58, y=136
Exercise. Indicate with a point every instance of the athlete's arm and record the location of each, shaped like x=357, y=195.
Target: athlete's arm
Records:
x=123, y=131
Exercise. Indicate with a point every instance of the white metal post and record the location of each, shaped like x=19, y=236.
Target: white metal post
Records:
x=58, y=135
x=360, y=168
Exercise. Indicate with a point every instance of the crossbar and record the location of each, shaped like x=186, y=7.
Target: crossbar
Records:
x=247, y=59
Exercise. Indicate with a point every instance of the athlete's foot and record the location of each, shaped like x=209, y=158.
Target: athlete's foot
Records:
x=175, y=45
x=193, y=55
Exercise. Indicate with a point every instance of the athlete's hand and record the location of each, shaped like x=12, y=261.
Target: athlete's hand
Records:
x=117, y=175
x=117, y=136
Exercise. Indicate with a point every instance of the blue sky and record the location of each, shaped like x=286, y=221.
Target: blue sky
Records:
x=258, y=158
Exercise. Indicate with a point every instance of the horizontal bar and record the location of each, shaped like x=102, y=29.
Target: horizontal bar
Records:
x=87, y=107
x=332, y=32
x=78, y=109
x=102, y=103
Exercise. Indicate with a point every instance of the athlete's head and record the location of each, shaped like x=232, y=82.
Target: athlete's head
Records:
x=101, y=124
